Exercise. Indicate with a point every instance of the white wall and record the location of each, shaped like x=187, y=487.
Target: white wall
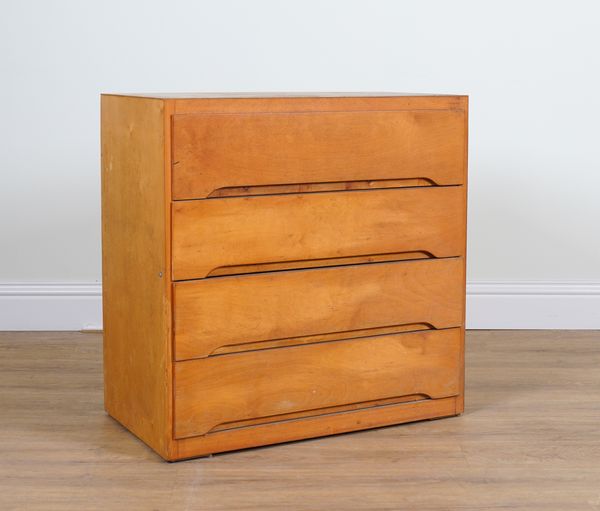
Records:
x=531, y=69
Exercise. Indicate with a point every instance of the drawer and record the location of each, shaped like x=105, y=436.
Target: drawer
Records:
x=222, y=390
x=223, y=311
x=225, y=235
x=214, y=152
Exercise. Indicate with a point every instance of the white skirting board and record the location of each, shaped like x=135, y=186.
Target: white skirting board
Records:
x=51, y=306
x=533, y=305
x=490, y=305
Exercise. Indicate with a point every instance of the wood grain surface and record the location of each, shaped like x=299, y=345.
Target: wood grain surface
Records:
x=217, y=390
x=528, y=441
x=221, y=234
x=218, y=150
x=135, y=285
x=222, y=311
x=345, y=103
x=303, y=210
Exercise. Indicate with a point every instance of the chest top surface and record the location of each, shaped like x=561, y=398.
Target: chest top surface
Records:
x=266, y=95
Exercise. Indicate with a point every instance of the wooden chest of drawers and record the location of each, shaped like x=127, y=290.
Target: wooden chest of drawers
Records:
x=277, y=268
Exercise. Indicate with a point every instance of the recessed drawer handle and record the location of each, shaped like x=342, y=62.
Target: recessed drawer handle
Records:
x=241, y=191
x=320, y=338
x=345, y=408
x=239, y=269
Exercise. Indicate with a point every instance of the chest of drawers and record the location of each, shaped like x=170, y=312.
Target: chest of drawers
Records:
x=278, y=268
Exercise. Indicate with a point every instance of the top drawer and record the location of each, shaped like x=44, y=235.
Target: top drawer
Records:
x=216, y=151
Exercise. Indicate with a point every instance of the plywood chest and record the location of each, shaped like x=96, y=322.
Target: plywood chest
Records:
x=278, y=268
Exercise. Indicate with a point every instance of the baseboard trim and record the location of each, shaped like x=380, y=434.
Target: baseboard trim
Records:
x=490, y=305
x=50, y=306
x=544, y=305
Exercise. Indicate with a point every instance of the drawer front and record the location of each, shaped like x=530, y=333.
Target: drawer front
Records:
x=222, y=234
x=212, y=152
x=224, y=311
x=215, y=391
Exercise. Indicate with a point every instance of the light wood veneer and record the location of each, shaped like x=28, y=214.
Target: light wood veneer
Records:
x=277, y=268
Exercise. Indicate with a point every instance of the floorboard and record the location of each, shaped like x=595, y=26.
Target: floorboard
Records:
x=529, y=439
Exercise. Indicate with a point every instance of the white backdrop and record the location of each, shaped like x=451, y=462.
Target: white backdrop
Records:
x=530, y=68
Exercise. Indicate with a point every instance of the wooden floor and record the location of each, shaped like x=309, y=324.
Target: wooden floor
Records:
x=529, y=439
